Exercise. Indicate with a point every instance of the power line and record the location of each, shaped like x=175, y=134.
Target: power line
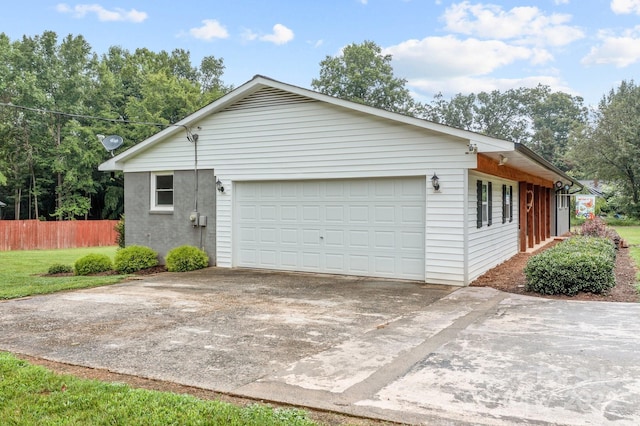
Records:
x=91, y=117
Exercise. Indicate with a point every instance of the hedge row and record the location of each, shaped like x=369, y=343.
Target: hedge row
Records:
x=578, y=264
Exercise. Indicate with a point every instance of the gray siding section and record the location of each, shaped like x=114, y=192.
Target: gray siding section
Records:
x=163, y=231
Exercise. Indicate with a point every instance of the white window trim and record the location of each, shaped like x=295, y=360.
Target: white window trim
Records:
x=154, y=206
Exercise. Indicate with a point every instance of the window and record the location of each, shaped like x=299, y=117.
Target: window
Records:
x=484, y=207
x=162, y=191
x=507, y=203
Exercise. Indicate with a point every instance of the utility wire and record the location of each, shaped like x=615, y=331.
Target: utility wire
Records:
x=92, y=117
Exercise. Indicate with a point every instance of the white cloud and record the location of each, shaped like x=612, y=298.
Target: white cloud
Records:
x=249, y=35
x=620, y=50
x=559, y=2
x=117, y=14
x=523, y=25
x=625, y=7
x=280, y=35
x=209, y=30
x=424, y=88
x=450, y=56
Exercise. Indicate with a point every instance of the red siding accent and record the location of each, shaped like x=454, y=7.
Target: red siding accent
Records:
x=35, y=234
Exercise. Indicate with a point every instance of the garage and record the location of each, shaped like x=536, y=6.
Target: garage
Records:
x=369, y=227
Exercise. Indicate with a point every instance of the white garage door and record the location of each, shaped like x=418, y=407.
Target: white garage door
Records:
x=372, y=227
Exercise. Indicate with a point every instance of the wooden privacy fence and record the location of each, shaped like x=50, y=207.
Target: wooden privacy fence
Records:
x=35, y=234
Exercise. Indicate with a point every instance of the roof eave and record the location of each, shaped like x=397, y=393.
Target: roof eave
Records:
x=545, y=163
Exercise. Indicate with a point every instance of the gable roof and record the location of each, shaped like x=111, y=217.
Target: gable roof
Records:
x=493, y=147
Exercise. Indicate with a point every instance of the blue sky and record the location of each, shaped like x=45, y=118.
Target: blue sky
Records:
x=583, y=47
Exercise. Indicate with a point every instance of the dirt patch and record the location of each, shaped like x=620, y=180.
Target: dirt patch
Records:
x=509, y=276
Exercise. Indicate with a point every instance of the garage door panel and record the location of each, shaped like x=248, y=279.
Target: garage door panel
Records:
x=358, y=214
x=335, y=263
x=384, y=265
x=289, y=259
x=311, y=214
x=358, y=264
x=334, y=238
x=268, y=258
x=268, y=235
x=248, y=212
x=334, y=214
x=384, y=215
x=289, y=236
x=369, y=227
x=413, y=241
x=289, y=213
x=268, y=213
x=311, y=261
x=412, y=215
x=385, y=240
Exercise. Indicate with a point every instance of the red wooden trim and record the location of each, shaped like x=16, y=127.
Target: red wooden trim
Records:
x=487, y=165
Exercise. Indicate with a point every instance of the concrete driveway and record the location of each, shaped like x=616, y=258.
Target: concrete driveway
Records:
x=394, y=350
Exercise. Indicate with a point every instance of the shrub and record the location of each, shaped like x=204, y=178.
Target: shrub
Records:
x=577, y=264
x=134, y=258
x=119, y=228
x=186, y=258
x=59, y=268
x=92, y=264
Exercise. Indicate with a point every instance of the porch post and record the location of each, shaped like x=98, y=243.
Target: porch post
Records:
x=522, y=215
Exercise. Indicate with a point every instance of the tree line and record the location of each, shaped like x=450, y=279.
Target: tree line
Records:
x=49, y=151
x=67, y=94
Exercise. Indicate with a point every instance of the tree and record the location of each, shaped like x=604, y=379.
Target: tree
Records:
x=609, y=148
x=363, y=74
x=48, y=160
x=537, y=117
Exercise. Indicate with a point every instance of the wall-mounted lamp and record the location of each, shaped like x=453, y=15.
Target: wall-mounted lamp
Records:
x=435, y=182
x=473, y=149
x=219, y=186
x=503, y=160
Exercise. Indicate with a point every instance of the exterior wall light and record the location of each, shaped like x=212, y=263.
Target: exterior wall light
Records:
x=219, y=186
x=435, y=182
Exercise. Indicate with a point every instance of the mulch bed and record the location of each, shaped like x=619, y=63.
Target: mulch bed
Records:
x=509, y=276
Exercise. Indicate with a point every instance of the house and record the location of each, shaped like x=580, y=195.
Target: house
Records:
x=280, y=177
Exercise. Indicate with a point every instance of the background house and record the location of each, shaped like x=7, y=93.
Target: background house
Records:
x=308, y=182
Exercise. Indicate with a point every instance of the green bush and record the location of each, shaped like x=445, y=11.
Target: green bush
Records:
x=577, y=264
x=92, y=264
x=186, y=258
x=134, y=258
x=119, y=228
x=59, y=268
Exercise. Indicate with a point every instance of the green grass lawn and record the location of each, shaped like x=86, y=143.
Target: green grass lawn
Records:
x=20, y=271
x=33, y=395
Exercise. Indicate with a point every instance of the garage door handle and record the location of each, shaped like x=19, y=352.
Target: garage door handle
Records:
x=322, y=238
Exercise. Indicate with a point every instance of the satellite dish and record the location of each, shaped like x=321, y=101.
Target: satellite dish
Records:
x=111, y=142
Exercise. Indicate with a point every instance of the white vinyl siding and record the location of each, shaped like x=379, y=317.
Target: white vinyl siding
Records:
x=491, y=245
x=445, y=229
x=311, y=140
